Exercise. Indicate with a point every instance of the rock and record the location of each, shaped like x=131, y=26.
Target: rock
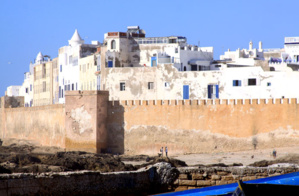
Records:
x=167, y=174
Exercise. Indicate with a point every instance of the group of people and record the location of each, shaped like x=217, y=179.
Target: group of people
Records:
x=161, y=151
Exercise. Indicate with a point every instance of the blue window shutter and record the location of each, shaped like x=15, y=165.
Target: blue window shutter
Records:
x=240, y=82
x=217, y=91
x=234, y=82
x=186, y=92
x=110, y=63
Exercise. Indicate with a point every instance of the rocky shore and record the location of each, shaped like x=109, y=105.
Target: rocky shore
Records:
x=46, y=167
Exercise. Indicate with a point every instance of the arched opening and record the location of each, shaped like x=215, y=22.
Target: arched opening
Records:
x=113, y=44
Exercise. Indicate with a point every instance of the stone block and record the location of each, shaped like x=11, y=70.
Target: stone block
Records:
x=215, y=177
x=220, y=182
x=181, y=188
x=201, y=183
x=275, y=174
x=247, y=178
x=236, y=177
x=183, y=177
x=227, y=178
x=192, y=187
x=176, y=182
x=197, y=177
x=187, y=182
x=222, y=173
x=261, y=174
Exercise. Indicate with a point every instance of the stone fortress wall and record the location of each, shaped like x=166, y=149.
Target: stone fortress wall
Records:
x=199, y=126
x=88, y=121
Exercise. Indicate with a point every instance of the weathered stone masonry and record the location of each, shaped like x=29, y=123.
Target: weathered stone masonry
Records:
x=198, y=126
x=143, y=182
x=88, y=121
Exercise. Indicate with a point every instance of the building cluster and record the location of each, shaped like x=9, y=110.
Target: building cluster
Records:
x=132, y=66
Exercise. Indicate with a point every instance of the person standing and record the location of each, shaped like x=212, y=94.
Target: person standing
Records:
x=161, y=151
x=274, y=153
x=166, y=150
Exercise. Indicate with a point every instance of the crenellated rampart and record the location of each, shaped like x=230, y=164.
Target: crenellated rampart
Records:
x=89, y=121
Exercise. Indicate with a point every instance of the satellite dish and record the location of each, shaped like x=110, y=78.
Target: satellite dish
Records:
x=142, y=31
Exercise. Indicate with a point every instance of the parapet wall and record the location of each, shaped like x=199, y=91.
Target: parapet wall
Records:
x=43, y=125
x=88, y=121
x=197, y=126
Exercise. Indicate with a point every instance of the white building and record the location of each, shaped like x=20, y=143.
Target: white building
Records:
x=291, y=46
x=133, y=49
x=13, y=91
x=244, y=57
x=68, y=61
x=27, y=89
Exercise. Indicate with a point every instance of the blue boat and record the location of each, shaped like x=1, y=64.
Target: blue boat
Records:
x=265, y=186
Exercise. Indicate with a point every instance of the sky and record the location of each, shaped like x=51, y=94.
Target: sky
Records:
x=32, y=26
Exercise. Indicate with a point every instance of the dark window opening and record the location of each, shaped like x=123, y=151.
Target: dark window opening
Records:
x=150, y=85
x=113, y=44
x=251, y=82
x=122, y=86
x=193, y=67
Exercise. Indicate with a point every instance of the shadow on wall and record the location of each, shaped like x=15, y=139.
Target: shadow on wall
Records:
x=115, y=128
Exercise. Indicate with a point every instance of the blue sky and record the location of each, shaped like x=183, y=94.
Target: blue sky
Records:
x=28, y=27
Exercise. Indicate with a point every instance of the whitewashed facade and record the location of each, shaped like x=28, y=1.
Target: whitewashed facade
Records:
x=68, y=61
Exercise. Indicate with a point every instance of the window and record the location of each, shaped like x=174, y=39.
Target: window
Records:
x=110, y=63
x=176, y=50
x=122, y=86
x=237, y=83
x=252, y=82
x=268, y=83
x=73, y=87
x=113, y=44
x=44, y=70
x=26, y=90
x=167, y=85
x=60, y=68
x=44, y=87
x=30, y=87
x=150, y=85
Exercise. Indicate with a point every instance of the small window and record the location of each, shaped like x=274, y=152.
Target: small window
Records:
x=44, y=72
x=176, y=50
x=60, y=68
x=26, y=90
x=44, y=87
x=30, y=87
x=268, y=83
x=167, y=85
x=150, y=85
x=237, y=83
x=252, y=82
x=122, y=86
x=113, y=44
